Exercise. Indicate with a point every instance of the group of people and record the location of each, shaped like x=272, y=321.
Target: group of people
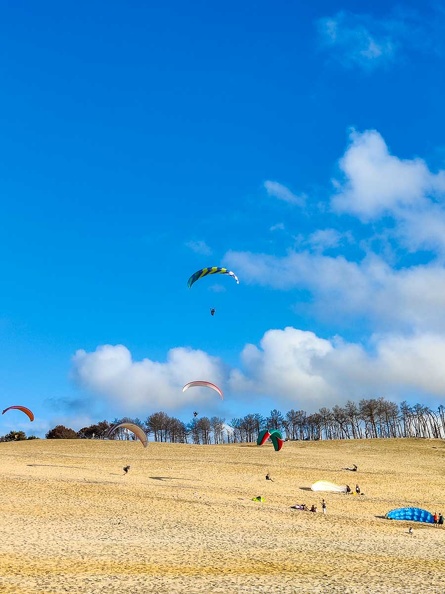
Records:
x=349, y=490
x=304, y=507
x=438, y=519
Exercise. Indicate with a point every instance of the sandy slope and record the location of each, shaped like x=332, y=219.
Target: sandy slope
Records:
x=183, y=520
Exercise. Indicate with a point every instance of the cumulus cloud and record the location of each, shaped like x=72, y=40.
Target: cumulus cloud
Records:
x=277, y=190
x=400, y=203
x=370, y=289
x=133, y=386
x=358, y=40
x=199, y=247
x=377, y=183
x=305, y=371
x=292, y=367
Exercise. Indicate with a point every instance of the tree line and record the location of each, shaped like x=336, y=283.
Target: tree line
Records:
x=368, y=419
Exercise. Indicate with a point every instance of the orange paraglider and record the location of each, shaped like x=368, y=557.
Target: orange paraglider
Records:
x=23, y=409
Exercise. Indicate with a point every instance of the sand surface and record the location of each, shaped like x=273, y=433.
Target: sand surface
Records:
x=183, y=519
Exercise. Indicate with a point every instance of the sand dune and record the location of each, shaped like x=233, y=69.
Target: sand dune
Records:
x=183, y=519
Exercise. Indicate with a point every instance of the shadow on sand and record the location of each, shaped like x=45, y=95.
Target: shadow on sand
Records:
x=171, y=478
x=59, y=466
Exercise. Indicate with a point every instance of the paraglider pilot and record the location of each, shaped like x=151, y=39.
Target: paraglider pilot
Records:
x=212, y=311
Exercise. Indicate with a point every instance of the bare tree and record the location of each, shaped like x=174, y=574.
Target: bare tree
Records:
x=217, y=426
x=275, y=420
x=158, y=424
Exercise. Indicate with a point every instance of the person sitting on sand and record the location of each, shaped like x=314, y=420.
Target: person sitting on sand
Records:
x=126, y=469
x=269, y=478
x=348, y=489
x=313, y=508
x=357, y=489
x=410, y=530
x=353, y=469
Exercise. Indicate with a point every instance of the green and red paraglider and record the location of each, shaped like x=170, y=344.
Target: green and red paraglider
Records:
x=275, y=437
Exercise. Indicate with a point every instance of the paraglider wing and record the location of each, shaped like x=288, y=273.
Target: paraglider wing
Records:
x=138, y=431
x=328, y=487
x=23, y=409
x=277, y=440
x=205, y=385
x=415, y=514
x=263, y=437
x=211, y=270
x=274, y=436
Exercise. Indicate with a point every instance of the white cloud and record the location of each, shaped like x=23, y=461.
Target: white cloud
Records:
x=199, y=247
x=323, y=239
x=369, y=290
x=133, y=386
x=283, y=366
x=302, y=370
x=377, y=183
x=358, y=40
x=277, y=227
x=277, y=190
x=294, y=368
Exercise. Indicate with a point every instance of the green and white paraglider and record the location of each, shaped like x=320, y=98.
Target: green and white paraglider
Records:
x=210, y=270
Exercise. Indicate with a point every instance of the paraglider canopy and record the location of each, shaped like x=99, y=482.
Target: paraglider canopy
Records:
x=23, y=409
x=138, y=431
x=275, y=437
x=328, y=487
x=210, y=270
x=415, y=514
x=205, y=385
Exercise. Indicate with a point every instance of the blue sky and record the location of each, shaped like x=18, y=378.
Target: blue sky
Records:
x=300, y=146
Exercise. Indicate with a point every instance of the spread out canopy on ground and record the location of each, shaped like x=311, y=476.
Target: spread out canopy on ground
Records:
x=415, y=514
x=211, y=270
x=274, y=436
x=328, y=487
x=138, y=431
x=204, y=384
x=23, y=409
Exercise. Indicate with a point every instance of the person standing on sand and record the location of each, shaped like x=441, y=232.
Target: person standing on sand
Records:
x=435, y=519
x=323, y=506
x=440, y=520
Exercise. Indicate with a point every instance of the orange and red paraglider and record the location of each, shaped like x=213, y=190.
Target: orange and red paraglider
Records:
x=23, y=409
